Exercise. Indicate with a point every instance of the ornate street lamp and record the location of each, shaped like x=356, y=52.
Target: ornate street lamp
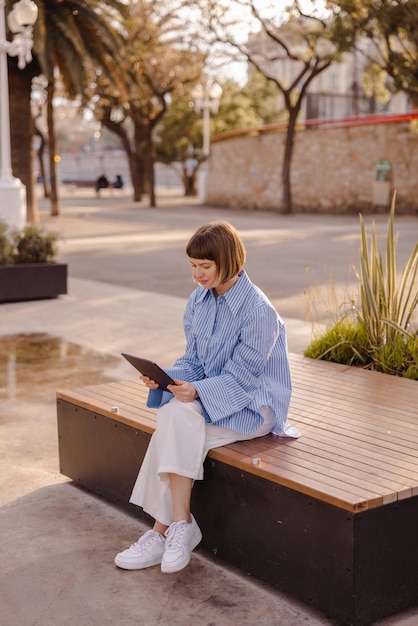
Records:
x=20, y=21
x=207, y=99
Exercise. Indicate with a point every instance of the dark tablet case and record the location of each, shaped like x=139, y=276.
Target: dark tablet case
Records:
x=150, y=369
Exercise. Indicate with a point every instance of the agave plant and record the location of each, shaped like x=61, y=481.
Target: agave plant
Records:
x=381, y=331
x=387, y=306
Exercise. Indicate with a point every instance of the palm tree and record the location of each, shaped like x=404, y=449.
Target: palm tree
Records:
x=68, y=36
x=21, y=129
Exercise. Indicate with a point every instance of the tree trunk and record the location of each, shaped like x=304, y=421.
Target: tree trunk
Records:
x=40, y=154
x=151, y=182
x=136, y=170
x=21, y=131
x=287, y=159
x=288, y=153
x=150, y=170
x=294, y=109
x=52, y=149
x=189, y=178
x=135, y=160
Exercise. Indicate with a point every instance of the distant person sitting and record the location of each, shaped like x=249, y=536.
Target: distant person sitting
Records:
x=102, y=182
x=118, y=184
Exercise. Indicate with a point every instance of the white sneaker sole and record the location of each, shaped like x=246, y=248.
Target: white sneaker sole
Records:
x=132, y=566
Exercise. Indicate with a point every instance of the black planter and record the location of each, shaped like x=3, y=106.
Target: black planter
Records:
x=32, y=281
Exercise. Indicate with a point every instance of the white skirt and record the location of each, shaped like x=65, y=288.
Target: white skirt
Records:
x=179, y=445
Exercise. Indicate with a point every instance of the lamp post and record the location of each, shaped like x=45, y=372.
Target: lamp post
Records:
x=20, y=21
x=207, y=99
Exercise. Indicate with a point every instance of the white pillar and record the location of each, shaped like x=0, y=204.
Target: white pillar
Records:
x=13, y=204
x=206, y=99
x=12, y=190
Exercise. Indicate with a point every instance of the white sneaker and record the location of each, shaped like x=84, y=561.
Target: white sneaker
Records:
x=146, y=552
x=182, y=538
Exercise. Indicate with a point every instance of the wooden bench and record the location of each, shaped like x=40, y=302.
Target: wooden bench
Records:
x=331, y=518
x=72, y=184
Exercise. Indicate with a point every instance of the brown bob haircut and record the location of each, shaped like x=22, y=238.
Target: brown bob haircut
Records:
x=218, y=242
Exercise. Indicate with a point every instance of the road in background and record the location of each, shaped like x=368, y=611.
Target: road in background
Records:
x=304, y=263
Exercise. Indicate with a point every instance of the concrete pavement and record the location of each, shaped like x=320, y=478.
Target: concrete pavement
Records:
x=58, y=541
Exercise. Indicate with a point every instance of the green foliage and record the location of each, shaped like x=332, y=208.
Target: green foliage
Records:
x=181, y=129
x=391, y=27
x=375, y=87
x=381, y=335
x=346, y=342
x=6, y=248
x=69, y=35
x=255, y=104
x=34, y=245
x=398, y=356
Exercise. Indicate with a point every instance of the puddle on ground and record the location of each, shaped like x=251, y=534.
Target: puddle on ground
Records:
x=35, y=366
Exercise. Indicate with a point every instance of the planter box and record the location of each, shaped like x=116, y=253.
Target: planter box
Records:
x=32, y=281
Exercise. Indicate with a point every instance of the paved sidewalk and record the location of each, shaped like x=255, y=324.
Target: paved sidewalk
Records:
x=57, y=540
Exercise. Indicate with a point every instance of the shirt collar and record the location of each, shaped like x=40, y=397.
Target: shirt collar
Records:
x=234, y=297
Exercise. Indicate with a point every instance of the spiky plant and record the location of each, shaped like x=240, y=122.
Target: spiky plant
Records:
x=382, y=332
x=387, y=306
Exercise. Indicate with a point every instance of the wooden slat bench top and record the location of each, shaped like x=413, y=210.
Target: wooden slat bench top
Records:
x=359, y=444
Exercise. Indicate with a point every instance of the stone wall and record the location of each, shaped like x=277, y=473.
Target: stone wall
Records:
x=333, y=170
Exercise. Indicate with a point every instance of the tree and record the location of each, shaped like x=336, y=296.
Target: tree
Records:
x=180, y=132
x=178, y=138
x=66, y=35
x=21, y=129
x=375, y=87
x=391, y=27
x=161, y=58
x=254, y=104
x=303, y=42
x=264, y=99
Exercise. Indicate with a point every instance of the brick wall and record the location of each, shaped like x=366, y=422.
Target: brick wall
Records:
x=333, y=170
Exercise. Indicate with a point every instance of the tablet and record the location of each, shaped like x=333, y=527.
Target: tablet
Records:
x=150, y=369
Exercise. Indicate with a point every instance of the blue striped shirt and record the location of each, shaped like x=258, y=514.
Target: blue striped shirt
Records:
x=236, y=357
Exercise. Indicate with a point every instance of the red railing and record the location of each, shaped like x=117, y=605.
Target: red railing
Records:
x=341, y=122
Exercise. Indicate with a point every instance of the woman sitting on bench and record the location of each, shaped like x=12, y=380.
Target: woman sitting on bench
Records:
x=232, y=384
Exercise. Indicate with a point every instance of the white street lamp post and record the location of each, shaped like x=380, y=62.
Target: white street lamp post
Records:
x=207, y=99
x=12, y=191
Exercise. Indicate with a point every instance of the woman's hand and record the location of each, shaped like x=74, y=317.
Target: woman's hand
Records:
x=185, y=392
x=148, y=382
